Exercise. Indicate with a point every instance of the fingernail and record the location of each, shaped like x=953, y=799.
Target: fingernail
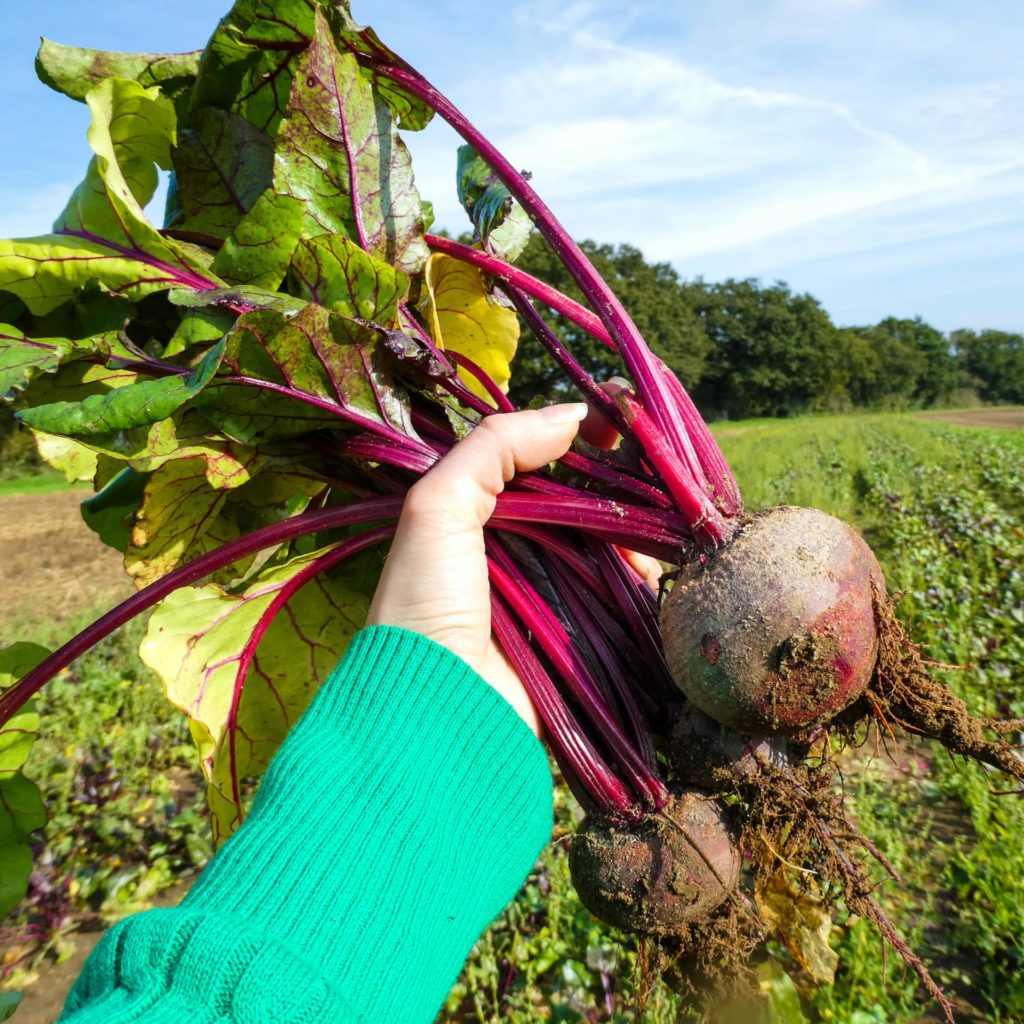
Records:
x=571, y=412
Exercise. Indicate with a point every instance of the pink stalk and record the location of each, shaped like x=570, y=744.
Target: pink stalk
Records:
x=639, y=359
x=500, y=399
x=721, y=483
x=580, y=564
x=601, y=613
x=607, y=472
x=572, y=747
x=607, y=661
x=601, y=400
x=550, y=635
x=639, y=615
x=369, y=510
x=322, y=564
x=505, y=272
x=366, y=447
x=708, y=526
x=659, y=534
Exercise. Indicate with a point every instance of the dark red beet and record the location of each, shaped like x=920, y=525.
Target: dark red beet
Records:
x=777, y=632
x=705, y=753
x=671, y=869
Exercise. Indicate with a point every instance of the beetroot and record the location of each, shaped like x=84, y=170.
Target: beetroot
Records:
x=776, y=632
x=706, y=754
x=661, y=874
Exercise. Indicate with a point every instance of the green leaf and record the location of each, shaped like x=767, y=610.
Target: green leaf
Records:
x=18, y=734
x=110, y=512
x=340, y=363
x=223, y=165
x=335, y=272
x=242, y=294
x=21, y=805
x=412, y=113
x=9, y=1002
x=23, y=358
x=74, y=460
x=199, y=326
x=502, y=225
x=73, y=70
x=132, y=129
x=15, y=871
x=103, y=235
x=249, y=63
x=124, y=408
x=22, y=811
x=80, y=380
x=194, y=643
x=336, y=146
x=179, y=520
x=465, y=319
x=260, y=248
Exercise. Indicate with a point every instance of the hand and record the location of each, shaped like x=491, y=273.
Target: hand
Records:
x=435, y=579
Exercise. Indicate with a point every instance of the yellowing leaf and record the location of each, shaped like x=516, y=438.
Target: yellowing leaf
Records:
x=800, y=919
x=74, y=460
x=465, y=319
x=179, y=520
x=195, y=641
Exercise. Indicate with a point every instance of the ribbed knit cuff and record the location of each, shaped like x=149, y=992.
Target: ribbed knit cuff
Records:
x=400, y=816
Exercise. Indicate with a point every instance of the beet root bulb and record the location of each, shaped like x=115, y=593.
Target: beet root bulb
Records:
x=658, y=876
x=776, y=633
x=710, y=756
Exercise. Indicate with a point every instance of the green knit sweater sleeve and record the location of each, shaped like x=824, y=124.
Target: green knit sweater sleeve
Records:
x=401, y=814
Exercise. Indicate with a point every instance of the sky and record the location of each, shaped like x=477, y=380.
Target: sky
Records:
x=870, y=152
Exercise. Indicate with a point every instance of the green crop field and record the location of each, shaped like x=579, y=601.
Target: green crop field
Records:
x=942, y=507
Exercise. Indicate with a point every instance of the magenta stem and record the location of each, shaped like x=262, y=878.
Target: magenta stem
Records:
x=530, y=609
x=631, y=345
x=291, y=587
x=308, y=522
x=571, y=746
x=500, y=399
x=505, y=272
x=709, y=528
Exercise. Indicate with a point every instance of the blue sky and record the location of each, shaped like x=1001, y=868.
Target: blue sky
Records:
x=870, y=152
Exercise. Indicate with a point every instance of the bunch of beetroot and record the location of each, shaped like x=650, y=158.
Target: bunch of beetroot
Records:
x=288, y=325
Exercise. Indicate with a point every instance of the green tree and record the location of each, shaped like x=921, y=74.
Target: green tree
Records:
x=652, y=293
x=994, y=360
x=918, y=367
x=774, y=353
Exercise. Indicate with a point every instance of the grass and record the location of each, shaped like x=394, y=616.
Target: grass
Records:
x=942, y=506
x=36, y=483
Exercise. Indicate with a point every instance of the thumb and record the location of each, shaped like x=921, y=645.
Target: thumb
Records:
x=463, y=487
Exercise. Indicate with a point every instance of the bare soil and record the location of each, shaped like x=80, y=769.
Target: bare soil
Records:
x=52, y=566
x=1004, y=417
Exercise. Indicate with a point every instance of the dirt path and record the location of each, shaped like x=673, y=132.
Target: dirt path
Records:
x=1009, y=417
x=51, y=563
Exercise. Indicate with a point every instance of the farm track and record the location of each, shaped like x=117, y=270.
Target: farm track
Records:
x=52, y=566
x=1004, y=418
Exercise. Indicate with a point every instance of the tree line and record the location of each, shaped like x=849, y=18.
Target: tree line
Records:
x=743, y=348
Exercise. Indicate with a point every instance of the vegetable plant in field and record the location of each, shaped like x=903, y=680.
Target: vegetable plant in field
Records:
x=253, y=386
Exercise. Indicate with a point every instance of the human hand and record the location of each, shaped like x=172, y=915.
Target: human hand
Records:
x=435, y=579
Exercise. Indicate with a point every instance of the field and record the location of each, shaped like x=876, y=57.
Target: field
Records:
x=940, y=502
